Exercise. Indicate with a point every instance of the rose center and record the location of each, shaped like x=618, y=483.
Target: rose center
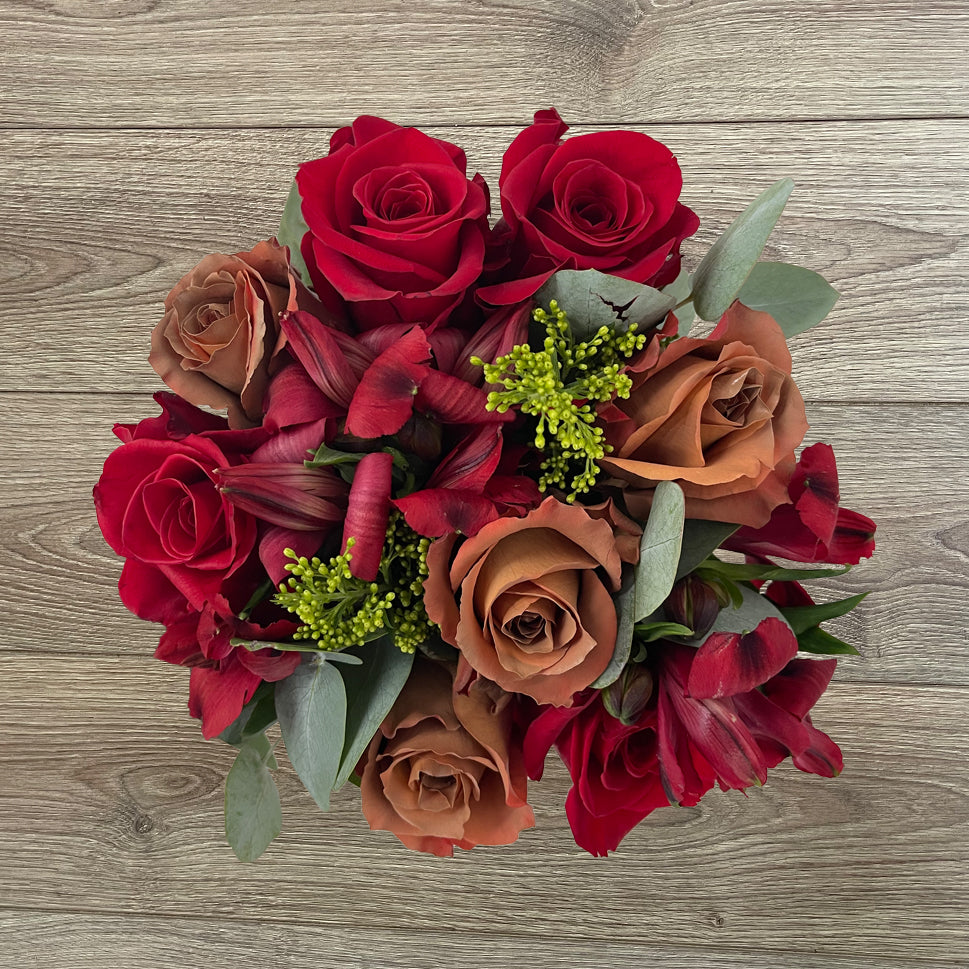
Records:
x=435, y=783
x=527, y=627
x=736, y=406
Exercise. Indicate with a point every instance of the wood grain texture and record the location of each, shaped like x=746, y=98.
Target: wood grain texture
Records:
x=176, y=62
x=122, y=815
x=913, y=628
x=138, y=940
x=96, y=227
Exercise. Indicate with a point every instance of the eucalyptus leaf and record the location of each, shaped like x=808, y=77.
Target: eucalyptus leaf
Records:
x=312, y=707
x=371, y=689
x=624, y=638
x=681, y=291
x=659, y=549
x=816, y=640
x=728, y=262
x=292, y=228
x=593, y=299
x=797, y=298
x=802, y=618
x=700, y=540
x=253, y=815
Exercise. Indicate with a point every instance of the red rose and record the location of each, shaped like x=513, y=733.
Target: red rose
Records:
x=158, y=503
x=395, y=226
x=605, y=201
x=614, y=768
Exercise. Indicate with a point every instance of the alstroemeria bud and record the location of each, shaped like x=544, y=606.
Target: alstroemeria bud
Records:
x=287, y=494
x=421, y=436
x=693, y=603
x=626, y=698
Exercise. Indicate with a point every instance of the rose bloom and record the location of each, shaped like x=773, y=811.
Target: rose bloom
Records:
x=606, y=200
x=442, y=770
x=614, y=767
x=720, y=416
x=396, y=229
x=528, y=601
x=158, y=503
x=221, y=322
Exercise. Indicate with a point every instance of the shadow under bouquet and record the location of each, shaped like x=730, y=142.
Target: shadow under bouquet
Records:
x=437, y=495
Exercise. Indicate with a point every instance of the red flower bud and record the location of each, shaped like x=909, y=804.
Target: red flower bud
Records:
x=291, y=495
x=628, y=696
x=695, y=604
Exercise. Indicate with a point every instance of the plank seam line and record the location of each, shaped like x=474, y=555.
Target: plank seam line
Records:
x=513, y=123
x=108, y=913
x=813, y=402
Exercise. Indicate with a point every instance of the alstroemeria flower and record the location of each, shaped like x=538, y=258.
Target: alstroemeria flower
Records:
x=813, y=528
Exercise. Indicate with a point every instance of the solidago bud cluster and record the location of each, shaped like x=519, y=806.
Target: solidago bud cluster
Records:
x=559, y=385
x=339, y=610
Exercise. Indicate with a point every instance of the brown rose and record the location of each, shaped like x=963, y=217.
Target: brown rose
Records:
x=720, y=416
x=220, y=326
x=442, y=772
x=524, y=602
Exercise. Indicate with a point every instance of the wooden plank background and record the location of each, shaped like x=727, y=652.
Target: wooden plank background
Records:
x=138, y=135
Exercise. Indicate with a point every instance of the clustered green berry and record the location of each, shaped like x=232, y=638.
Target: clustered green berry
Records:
x=339, y=610
x=559, y=385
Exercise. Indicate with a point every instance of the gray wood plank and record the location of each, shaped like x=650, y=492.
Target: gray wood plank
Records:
x=85, y=941
x=902, y=465
x=113, y=805
x=175, y=62
x=96, y=227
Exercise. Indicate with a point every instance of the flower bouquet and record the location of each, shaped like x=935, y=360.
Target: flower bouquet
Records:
x=437, y=495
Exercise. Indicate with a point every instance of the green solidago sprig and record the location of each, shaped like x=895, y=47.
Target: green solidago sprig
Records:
x=339, y=610
x=559, y=385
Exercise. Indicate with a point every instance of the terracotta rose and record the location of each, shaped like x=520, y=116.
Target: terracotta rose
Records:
x=720, y=416
x=528, y=601
x=220, y=326
x=441, y=771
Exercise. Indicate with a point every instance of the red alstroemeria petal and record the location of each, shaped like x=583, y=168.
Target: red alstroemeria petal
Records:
x=816, y=478
x=384, y=399
x=853, y=539
x=800, y=684
x=368, y=511
x=451, y=400
x=437, y=511
x=470, y=465
x=731, y=663
x=217, y=695
x=333, y=360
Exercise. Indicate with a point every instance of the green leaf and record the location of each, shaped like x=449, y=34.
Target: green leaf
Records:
x=700, y=539
x=649, y=632
x=253, y=816
x=816, y=640
x=328, y=457
x=624, y=638
x=754, y=572
x=659, y=549
x=681, y=290
x=292, y=228
x=796, y=297
x=724, y=268
x=802, y=618
x=753, y=609
x=371, y=690
x=312, y=707
x=593, y=299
